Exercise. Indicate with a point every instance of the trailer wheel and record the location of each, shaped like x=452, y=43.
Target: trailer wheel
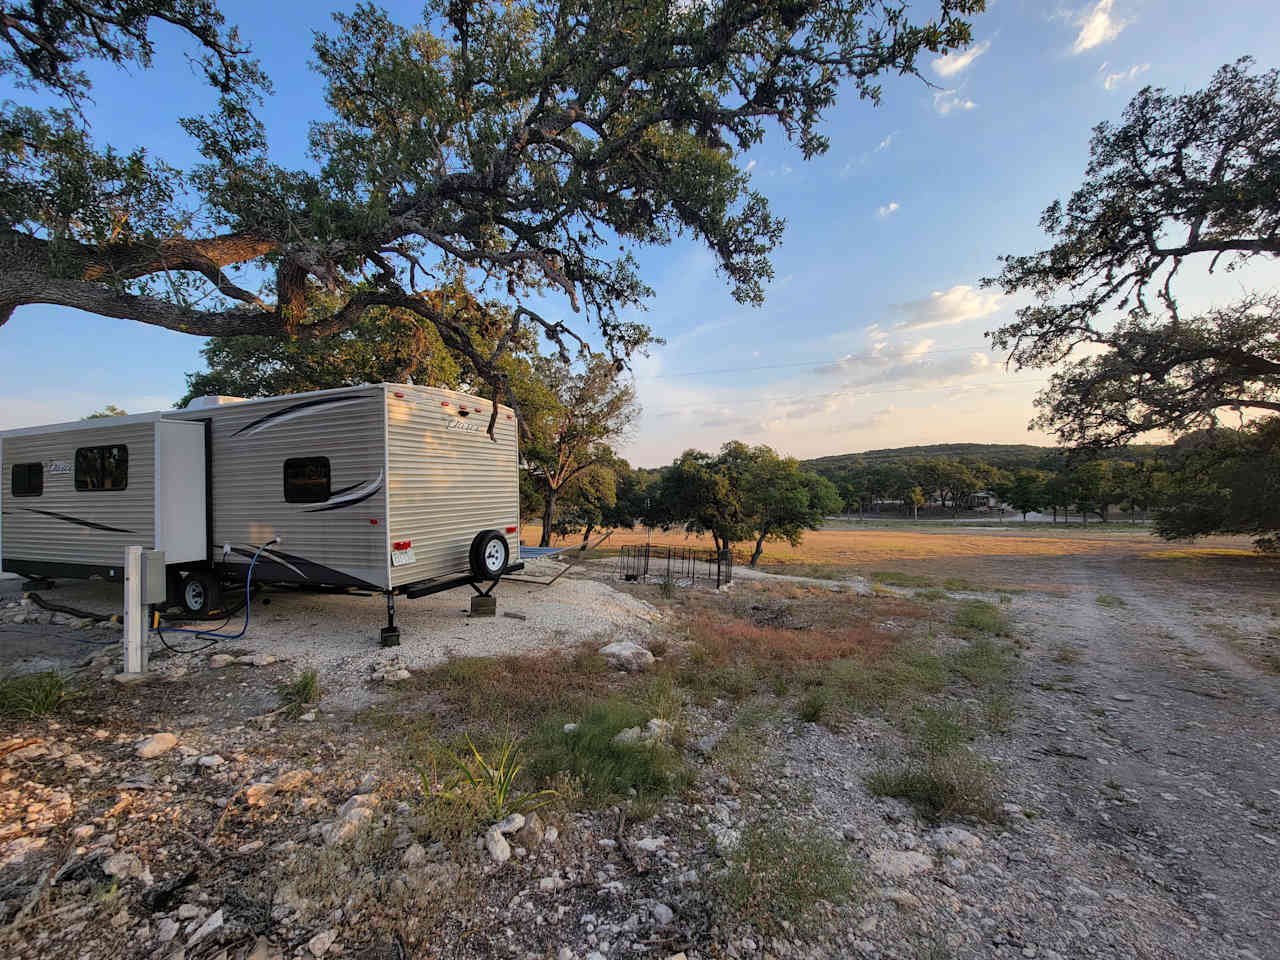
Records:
x=201, y=592
x=489, y=555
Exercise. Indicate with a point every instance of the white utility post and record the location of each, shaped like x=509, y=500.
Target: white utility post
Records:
x=144, y=584
x=135, y=633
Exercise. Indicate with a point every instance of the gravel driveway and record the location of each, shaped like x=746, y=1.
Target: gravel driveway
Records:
x=1150, y=740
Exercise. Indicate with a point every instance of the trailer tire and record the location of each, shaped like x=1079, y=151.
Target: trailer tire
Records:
x=490, y=555
x=201, y=592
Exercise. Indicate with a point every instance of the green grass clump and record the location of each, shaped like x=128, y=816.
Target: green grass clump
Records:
x=813, y=706
x=603, y=768
x=939, y=729
x=983, y=617
x=878, y=683
x=941, y=783
x=489, y=782
x=1109, y=600
x=894, y=578
x=32, y=694
x=933, y=594
x=780, y=872
x=302, y=690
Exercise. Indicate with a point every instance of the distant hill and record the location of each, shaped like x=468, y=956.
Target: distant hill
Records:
x=1007, y=456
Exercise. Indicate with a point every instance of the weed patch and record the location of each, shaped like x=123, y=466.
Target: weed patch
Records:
x=302, y=690
x=603, y=767
x=983, y=617
x=1066, y=655
x=813, y=706
x=941, y=784
x=32, y=694
x=779, y=872
x=894, y=578
x=1109, y=600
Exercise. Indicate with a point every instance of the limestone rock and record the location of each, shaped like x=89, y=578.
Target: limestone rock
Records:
x=497, y=845
x=626, y=655
x=257, y=794
x=319, y=944
x=900, y=864
x=292, y=780
x=156, y=745
x=209, y=926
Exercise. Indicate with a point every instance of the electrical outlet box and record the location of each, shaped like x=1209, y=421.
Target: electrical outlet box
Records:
x=154, y=587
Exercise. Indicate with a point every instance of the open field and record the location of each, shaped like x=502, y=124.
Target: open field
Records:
x=1039, y=558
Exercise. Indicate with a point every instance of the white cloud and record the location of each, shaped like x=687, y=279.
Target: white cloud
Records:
x=885, y=143
x=944, y=101
x=958, y=60
x=889, y=208
x=751, y=165
x=1097, y=26
x=1114, y=79
x=945, y=308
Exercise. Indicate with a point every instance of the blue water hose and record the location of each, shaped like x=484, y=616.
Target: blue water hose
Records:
x=215, y=637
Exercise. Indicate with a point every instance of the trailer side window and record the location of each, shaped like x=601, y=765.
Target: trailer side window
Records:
x=27, y=479
x=306, y=480
x=102, y=468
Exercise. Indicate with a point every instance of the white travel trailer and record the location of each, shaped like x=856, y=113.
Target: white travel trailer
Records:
x=384, y=487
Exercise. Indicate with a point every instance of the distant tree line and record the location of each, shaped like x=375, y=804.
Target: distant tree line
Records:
x=743, y=494
x=1090, y=488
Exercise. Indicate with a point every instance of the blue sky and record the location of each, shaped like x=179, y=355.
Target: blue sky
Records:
x=872, y=333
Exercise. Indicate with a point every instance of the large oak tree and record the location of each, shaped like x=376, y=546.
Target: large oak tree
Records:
x=1183, y=182
x=533, y=144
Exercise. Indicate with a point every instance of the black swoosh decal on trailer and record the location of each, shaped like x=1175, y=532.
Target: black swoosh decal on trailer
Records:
x=297, y=410
x=84, y=523
x=307, y=569
x=357, y=493
x=344, y=504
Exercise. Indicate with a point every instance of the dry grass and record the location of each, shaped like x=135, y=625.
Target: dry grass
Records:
x=868, y=548
x=514, y=692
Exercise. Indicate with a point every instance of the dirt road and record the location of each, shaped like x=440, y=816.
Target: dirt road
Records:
x=1150, y=739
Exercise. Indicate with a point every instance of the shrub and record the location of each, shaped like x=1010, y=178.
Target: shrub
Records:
x=1108, y=600
x=779, y=872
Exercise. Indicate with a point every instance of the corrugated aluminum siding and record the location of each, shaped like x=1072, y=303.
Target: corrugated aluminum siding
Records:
x=251, y=442
x=29, y=535
x=446, y=485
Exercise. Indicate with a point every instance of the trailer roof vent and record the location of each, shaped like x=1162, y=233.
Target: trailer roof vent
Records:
x=213, y=400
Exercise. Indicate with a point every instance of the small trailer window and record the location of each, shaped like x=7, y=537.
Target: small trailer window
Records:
x=306, y=480
x=27, y=479
x=102, y=468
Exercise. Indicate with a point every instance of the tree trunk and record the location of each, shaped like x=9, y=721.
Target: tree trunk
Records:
x=548, y=514
x=586, y=537
x=759, y=547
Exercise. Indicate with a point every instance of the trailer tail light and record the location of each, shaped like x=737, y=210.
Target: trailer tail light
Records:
x=402, y=545
x=511, y=529
x=398, y=396
x=444, y=403
x=510, y=417
x=373, y=521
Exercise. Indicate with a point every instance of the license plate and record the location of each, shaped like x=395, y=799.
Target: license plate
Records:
x=400, y=557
